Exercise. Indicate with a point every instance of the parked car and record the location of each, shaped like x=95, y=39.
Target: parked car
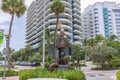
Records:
x=17, y=63
x=33, y=64
x=1, y=64
x=22, y=63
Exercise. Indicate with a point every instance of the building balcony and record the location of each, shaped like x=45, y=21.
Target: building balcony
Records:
x=77, y=31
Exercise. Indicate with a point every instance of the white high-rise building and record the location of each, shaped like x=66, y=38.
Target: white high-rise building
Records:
x=39, y=15
x=101, y=18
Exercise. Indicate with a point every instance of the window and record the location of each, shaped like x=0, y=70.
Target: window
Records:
x=118, y=32
x=95, y=13
x=117, y=25
x=96, y=20
x=117, y=18
x=96, y=17
x=96, y=27
x=96, y=31
x=116, y=10
x=117, y=28
x=110, y=22
x=95, y=9
x=96, y=24
x=117, y=15
x=118, y=22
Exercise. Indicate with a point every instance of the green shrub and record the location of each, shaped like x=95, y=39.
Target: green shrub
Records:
x=118, y=75
x=44, y=73
x=116, y=62
x=74, y=75
x=26, y=74
x=9, y=73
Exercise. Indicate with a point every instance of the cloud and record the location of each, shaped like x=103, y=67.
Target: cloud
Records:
x=4, y=17
x=6, y=27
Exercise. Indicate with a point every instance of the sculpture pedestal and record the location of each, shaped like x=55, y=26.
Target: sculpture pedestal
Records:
x=63, y=67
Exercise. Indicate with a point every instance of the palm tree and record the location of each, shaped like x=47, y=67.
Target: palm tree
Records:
x=12, y=7
x=57, y=7
x=28, y=51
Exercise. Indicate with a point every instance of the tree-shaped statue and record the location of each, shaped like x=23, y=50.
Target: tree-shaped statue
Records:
x=61, y=43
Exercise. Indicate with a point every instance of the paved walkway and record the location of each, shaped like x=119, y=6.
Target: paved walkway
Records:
x=17, y=69
x=98, y=74
x=11, y=78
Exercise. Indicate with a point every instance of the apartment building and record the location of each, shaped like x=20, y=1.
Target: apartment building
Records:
x=101, y=18
x=39, y=16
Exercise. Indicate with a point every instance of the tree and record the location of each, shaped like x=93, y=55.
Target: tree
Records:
x=112, y=37
x=94, y=41
x=78, y=53
x=28, y=51
x=12, y=7
x=101, y=54
x=91, y=42
x=99, y=38
x=57, y=7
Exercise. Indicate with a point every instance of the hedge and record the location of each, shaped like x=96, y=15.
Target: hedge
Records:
x=118, y=75
x=9, y=73
x=43, y=73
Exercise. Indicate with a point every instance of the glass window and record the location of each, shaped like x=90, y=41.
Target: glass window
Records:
x=117, y=18
x=117, y=25
x=96, y=17
x=96, y=24
x=96, y=20
x=95, y=9
x=95, y=13
x=117, y=15
x=116, y=10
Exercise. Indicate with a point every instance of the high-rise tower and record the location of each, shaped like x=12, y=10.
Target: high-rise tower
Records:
x=101, y=18
x=39, y=15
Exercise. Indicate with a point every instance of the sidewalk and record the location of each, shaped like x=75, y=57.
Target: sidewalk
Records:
x=12, y=78
x=98, y=74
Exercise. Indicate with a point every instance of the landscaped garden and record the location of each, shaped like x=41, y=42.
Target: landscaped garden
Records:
x=44, y=73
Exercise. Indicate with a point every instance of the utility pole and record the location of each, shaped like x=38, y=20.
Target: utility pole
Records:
x=4, y=75
x=43, y=59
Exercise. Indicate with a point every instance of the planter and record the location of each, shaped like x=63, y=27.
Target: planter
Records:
x=63, y=67
x=46, y=79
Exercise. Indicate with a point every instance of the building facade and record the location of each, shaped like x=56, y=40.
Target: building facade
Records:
x=101, y=18
x=39, y=16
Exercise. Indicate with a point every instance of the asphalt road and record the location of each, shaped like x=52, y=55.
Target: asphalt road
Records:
x=100, y=75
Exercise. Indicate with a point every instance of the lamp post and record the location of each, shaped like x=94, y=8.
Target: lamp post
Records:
x=43, y=58
x=7, y=47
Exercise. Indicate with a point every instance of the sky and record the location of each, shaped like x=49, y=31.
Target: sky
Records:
x=18, y=30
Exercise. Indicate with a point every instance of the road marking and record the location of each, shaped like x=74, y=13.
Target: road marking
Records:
x=113, y=77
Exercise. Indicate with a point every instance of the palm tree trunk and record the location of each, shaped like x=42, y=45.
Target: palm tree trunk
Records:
x=8, y=43
x=55, y=54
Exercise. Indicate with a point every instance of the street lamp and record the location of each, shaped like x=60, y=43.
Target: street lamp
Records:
x=7, y=47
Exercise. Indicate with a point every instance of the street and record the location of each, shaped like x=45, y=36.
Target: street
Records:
x=98, y=74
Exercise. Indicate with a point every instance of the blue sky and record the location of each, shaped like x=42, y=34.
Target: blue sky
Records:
x=18, y=30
